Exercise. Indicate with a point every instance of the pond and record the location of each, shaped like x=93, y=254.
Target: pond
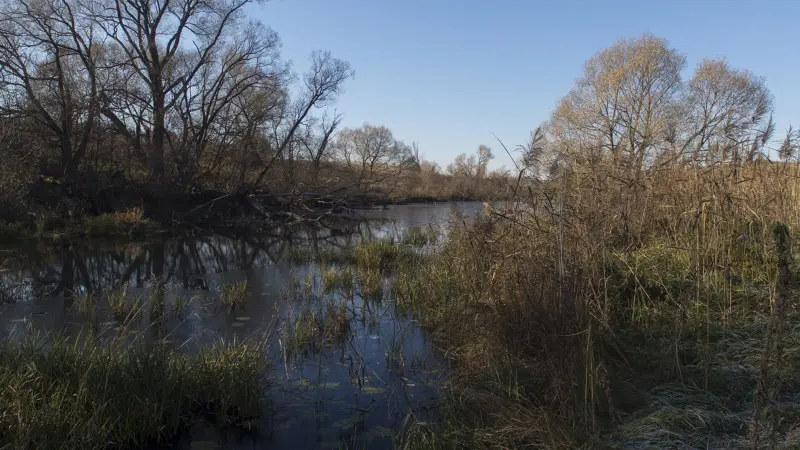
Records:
x=358, y=387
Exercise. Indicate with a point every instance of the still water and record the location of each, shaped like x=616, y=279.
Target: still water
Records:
x=358, y=392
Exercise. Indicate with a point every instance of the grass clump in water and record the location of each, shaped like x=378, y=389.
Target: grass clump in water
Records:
x=63, y=393
x=381, y=255
x=120, y=308
x=85, y=303
x=317, y=322
x=179, y=305
x=419, y=236
x=370, y=284
x=337, y=278
x=233, y=295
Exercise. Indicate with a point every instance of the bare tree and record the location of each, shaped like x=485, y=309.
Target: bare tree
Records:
x=317, y=145
x=322, y=84
x=622, y=106
x=728, y=113
x=163, y=46
x=372, y=155
x=228, y=106
x=471, y=166
x=47, y=71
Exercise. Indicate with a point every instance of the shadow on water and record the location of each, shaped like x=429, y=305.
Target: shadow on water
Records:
x=347, y=370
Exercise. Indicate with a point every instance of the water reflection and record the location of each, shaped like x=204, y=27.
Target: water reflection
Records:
x=359, y=390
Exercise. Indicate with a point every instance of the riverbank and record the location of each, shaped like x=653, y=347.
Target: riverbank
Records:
x=568, y=330
x=280, y=211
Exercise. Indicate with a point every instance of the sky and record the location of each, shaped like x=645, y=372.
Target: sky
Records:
x=450, y=74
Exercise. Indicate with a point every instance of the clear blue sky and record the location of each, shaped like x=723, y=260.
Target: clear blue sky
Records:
x=448, y=73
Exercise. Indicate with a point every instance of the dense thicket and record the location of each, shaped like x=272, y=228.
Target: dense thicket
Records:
x=642, y=293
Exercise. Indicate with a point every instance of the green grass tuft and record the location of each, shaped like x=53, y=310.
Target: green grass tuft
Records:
x=233, y=295
x=62, y=393
x=337, y=278
x=418, y=236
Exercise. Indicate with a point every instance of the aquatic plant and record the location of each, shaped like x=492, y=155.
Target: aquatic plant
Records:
x=57, y=392
x=85, y=303
x=116, y=303
x=419, y=236
x=370, y=284
x=233, y=295
x=314, y=322
x=381, y=255
x=337, y=278
x=180, y=303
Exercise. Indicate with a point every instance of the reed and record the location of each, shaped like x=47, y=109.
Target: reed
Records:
x=589, y=313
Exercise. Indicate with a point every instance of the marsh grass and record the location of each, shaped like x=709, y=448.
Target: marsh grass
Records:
x=314, y=322
x=117, y=304
x=370, y=284
x=395, y=355
x=85, y=303
x=578, y=320
x=57, y=392
x=375, y=260
x=381, y=255
x=127, y=223
x=180, y=303
x=419, y=236
x=233, y=295
x=334, y=278
x=122, y=223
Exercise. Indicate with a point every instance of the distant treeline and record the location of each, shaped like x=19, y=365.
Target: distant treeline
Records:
x=111, y=103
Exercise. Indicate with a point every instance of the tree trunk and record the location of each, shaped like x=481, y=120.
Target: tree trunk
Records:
x=161, y=210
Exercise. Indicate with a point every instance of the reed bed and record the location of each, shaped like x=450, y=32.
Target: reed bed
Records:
x=593, y=313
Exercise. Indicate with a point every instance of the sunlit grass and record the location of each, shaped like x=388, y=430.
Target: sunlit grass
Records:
x=122, y=223
x=378, y=255
x=677, y=364
x=419, y=236
x=337, y=278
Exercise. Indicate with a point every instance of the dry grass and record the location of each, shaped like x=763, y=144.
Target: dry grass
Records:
x=593, y=313
x=121, y=223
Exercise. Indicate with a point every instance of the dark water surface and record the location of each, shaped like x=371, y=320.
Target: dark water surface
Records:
x=357, y=393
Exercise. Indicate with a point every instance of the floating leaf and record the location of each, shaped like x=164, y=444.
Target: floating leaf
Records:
x=243, y=319
x=372, y=390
